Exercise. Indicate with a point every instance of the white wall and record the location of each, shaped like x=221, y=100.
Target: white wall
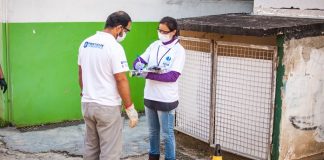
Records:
x=302, y=4
x=139, y=10
x=275, y=8
x=3, y=9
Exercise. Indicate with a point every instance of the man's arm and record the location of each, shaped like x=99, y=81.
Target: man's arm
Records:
x=3, y=83
x=1, y=73
x=124, y=92
x=80, y=78
x=123, y=88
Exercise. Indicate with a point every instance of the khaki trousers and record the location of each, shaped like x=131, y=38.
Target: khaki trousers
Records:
x=103, y=137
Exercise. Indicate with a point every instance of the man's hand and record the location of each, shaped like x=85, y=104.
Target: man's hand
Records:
x=132, y=115
x=3, y=85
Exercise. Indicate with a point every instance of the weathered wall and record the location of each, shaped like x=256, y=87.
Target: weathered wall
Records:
x=290, y=8
x=302, y=125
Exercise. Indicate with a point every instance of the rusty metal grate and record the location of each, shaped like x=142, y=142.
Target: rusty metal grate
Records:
x=195, y=44
x=245, y=52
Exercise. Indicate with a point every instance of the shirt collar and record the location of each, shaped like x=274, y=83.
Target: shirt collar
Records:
x=171, y=44
x=108, y=35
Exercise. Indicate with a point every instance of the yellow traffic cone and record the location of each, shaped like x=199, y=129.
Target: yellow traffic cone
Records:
x=217, y=153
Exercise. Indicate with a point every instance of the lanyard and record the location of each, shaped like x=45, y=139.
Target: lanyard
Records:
x=157, y=54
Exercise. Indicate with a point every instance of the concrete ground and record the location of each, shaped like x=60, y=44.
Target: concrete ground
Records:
x=66, y=143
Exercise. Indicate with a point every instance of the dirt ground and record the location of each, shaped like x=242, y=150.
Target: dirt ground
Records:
x=200, y=150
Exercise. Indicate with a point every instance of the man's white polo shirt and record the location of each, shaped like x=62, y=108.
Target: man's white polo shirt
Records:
x=100, y=57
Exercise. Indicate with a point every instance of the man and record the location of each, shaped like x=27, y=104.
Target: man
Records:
x=3, y=83
x=102, y=66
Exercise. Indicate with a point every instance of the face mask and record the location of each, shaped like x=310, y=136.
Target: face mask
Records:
x=164, y=37
x=121, y=38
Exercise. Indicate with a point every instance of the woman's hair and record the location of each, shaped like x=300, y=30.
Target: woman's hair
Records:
x=118, y=18
x=171, y=23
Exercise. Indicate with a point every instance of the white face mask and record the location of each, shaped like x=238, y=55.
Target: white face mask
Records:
x=121, y=38
x=164, y=37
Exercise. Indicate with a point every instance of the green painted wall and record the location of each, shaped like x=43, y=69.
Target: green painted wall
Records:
x=43, y=68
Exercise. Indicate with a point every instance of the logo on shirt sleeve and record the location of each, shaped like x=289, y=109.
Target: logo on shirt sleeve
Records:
x=93, y=45
x=124, y=64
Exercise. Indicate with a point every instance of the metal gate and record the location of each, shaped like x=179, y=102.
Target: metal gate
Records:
x=244, y=98
x=193, y=113
x=226, y=95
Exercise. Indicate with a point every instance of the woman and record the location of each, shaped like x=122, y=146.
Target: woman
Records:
x=161, y=89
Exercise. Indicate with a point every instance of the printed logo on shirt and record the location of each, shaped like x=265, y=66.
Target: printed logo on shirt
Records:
x=93, y=45
x=124, y=64
x=167, y=61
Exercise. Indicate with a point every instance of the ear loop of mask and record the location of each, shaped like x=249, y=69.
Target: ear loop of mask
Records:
x=119, y=34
